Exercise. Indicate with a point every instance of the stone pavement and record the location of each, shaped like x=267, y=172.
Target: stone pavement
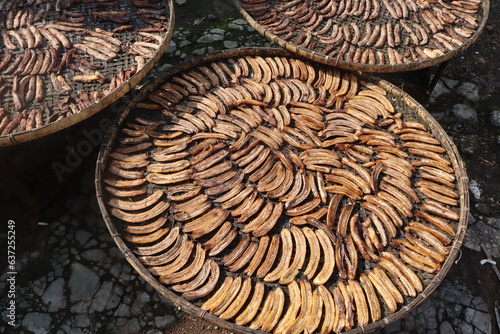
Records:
x=73, y=279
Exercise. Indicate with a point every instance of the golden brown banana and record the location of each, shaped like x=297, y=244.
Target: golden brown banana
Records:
x=250, y=154
x=387, y=207
x=351, y=257
x=304, y=208
x=237, y=251
x=245, y=257
x=383, y=291
x=147, y=238
x=440, y=210
x=183, y=192
x=237, y=197
x=371, y=297
x=179, y=261
x=432, y=194
x=209, y=285
x=141, y=216
x=270, y=258
x=401, y=281
x=213, y=171
x=344, y=189
x=212, y=216
x=445, y=240
x=315, y=317
x=218, y=236
x=331, y=313
x=332, y=210
x=314, y=253
x=264, y=311
x=413, y=248
x=188, y=272
x=437, y=166
x=267, y=181
x=283, y=264
x=349, y=305
x=284, y=186
x=228, y=297
x=200, y=278
x=239, y=301
x=299, y=256
x=340, y=306
x=263, y=215
x=246, y=205
x=146, y=229
x=137, y=205
x=359, y=241
x=258, y=255
x=403, y=207
x=398, y=194
x=226, y=186
x=253, y=305
x=125, y=193
x=363, y=315
x=371, y=237
x=160, y=246
x=328, y=260
x=169, y=157
x=219, y=295
x=126, y=174
x=388, y=284
x=297, y=186
x=305, y=309
x=302, y=195
x=273, y=179
x=424, y=249
x=292, y=309
x=436, y=221
x=416, y=260
x=382, y=216
x=274, y=314
x=252, y=210
x=158, y=178
x=257, y=161
x=343, y=221
x=189, y=205
x=228, y=238
x=429, y=238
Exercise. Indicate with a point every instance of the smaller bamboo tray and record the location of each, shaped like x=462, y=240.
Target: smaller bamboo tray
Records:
x=64, y=61
x=267, y=193
x=369, y=35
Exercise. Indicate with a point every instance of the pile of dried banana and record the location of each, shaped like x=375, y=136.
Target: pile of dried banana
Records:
x=282, y=196
x=373, y=32
x=58, y=58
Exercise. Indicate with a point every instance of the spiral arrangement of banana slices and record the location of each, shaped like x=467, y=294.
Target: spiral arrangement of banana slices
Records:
x=263, y=188
x=374, y=32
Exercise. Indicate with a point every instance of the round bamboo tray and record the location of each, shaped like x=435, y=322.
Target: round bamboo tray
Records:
x=369, y=35
x=185, y=186
x=98, y=51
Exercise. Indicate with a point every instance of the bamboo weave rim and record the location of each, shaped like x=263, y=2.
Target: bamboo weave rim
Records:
x=316, y=55
x=124, y=63
x=403, y=102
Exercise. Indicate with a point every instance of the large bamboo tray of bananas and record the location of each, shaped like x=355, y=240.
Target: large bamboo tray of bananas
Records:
x=63, y=61
x=370, y=35
x=267, y=193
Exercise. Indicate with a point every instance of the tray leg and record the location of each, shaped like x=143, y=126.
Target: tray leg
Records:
x=436, y=77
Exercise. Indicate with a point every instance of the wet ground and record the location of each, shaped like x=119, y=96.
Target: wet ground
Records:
x=72, y=279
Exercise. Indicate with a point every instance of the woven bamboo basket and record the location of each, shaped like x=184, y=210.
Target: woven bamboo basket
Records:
x=391, y=36
x=77, y=21
x=152, y=204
